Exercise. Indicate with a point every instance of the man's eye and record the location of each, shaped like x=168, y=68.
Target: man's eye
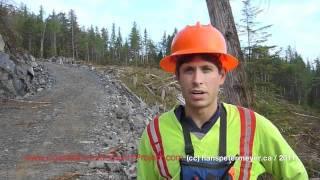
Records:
x=206, y=70
x=189, y=70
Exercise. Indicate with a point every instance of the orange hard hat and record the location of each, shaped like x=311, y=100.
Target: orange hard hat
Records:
x=198, y=39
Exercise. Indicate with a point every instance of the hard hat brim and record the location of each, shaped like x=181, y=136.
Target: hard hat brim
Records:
x=168, y=63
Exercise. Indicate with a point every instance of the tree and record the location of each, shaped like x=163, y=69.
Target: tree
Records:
x=293, y=77
x=163, y=44
x=118, y=46
x=145, y=47
x=43, y=26
x=28, y=26
x=84, y=53
x=63, y=36
x=260, y=72
x=169, y=41
x=134, y=40
x=6, y=30
x=255, y=35
x=91, y=43
x=99, y=45
x=54, y=28
x=105, y=38
x=152, y=53
x=125, y=52
x=73, y=26
x=113, y=39
x=314, y=94
x=235, y=88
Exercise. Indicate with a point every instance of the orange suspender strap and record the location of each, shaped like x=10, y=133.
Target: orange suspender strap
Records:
x=156, y=143
x=248, y=127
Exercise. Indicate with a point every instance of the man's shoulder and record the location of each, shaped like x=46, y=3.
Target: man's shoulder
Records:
x=263, y=125
x=231, y=109
x=236, y=107
x=168, y=115
x=164, y=117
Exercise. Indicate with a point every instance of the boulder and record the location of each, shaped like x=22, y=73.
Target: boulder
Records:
x=6, y=63
x=20, y=74
x=30, y=72
x=4, y=76
x=20, y=86
x=8, y=87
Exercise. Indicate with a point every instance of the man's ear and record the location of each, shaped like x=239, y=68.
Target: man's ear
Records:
x=223, y=75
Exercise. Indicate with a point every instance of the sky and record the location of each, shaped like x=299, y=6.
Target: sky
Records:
x=294, y=22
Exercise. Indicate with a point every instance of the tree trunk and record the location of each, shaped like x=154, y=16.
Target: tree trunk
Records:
x=72, y=29
x=54, y=43
x=42, y=40
x=235, y=88
x=88, y=53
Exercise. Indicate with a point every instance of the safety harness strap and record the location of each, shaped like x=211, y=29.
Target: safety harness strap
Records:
x=223, y=132
x=188, y=147
x=248, y=127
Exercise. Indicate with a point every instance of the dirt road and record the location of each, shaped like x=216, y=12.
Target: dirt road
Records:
x=82, y=113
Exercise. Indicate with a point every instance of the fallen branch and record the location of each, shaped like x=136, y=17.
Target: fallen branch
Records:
x=295, y=135
x=171, y=77
x=168, y=84
x=130, y=93
x=162, y=80
x=149, y=89
x=153, y=75
x=305, y=115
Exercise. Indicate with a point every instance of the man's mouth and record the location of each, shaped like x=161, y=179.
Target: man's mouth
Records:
x=197, y=92
x=197, y=95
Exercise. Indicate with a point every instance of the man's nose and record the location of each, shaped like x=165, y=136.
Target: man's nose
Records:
x=198, y=77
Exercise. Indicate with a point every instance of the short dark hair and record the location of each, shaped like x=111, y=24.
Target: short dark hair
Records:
x=213, y=58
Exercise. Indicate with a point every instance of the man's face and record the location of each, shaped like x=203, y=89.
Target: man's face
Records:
x=200, y=81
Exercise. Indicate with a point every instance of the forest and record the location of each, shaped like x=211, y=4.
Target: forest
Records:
x=272, y=69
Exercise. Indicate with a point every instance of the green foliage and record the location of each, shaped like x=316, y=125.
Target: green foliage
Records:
x=135, y=43
x=289, y=77
x=255, y=34
x=61, y=35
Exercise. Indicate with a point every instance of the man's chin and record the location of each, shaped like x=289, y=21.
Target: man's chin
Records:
x=198, y=104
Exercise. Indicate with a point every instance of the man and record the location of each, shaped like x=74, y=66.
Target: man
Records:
x=206, y=128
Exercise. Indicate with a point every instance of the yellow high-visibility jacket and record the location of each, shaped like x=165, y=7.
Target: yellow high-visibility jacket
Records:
x=269, y=150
